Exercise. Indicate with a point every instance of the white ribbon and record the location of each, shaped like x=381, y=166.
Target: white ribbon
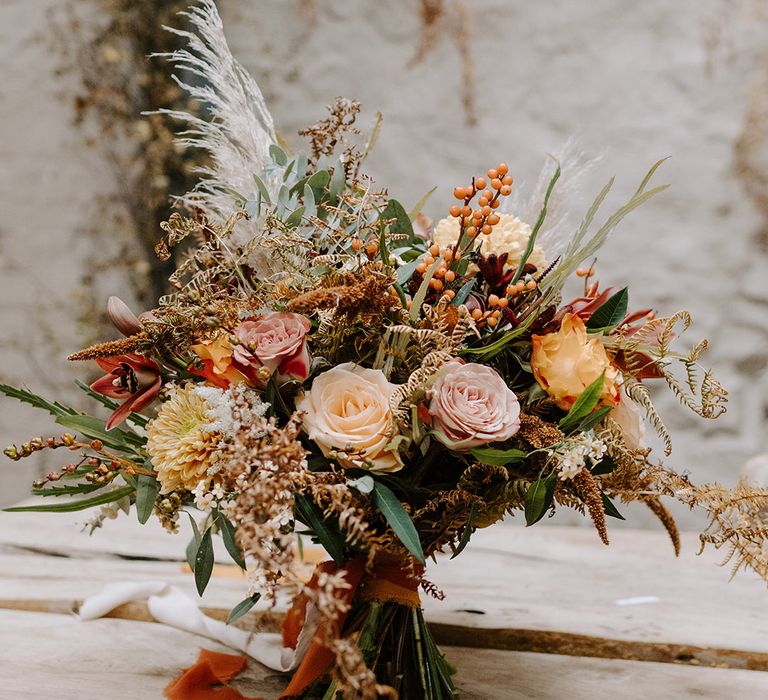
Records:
x=169, y=605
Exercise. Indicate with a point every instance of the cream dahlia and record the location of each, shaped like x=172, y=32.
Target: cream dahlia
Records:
x=509, y=236
x=180, y=440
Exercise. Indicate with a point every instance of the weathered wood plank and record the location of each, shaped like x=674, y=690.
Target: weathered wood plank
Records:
x=48, y=657
x=545, y=578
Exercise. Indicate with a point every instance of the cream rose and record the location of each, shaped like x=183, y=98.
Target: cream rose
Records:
x=509, y=236
x=347, y=411
x=567, y=362
x=471, y=405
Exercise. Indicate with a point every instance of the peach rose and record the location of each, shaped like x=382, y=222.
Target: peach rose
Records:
x=276, y=341
x=567, y=362
x=471, y=405
x=347, y=411
x=218, y=364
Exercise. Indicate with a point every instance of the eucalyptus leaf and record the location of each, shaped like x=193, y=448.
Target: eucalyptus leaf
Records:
x=498, y=458
x=278, y=154
x=398, y=519
x=310, y=208
x=243, y=607
x=584, y=405
x=295, y=217
x=364, y=484
x=464, y=292
x=611, y=312
x=402, y=222
x=73, y=506
x=262, y=188
x=538, y=499
x=405, y=272
x=317, y=181
x=147, y=489
x=338, y=180
x=204, y=562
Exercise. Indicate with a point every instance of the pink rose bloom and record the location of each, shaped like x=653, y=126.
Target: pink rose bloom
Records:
x=471, y=406
x=275, y=341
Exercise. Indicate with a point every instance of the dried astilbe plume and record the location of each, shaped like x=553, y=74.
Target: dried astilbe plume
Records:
x=328, y=133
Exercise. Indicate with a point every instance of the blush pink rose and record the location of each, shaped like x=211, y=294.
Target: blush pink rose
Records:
x=276, y=341
x=471, y=405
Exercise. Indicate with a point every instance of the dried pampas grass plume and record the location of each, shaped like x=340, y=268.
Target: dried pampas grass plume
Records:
x=240, y=130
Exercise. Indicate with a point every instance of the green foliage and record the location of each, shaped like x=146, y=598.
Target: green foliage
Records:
x=135, y=418
x=73, y=506
x=538, y=498
x=610, y=313
x=227, y=530
x=326, y=533
x=537, y=226
x=147, y=489
x=583, y=406
x=610, y=509
x=398, y=519
x=498, y=458
x=204, y=561
x=243, y=607
x=402, y=222
x=466, y=533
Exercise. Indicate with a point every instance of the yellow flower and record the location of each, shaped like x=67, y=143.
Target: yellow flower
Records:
x=217, y=360
x=567, y=362
x=179, y=442
x=509, y=236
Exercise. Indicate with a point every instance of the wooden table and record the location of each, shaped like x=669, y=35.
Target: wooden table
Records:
x=545, y=613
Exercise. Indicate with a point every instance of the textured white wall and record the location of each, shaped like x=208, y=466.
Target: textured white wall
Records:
x=633, y=81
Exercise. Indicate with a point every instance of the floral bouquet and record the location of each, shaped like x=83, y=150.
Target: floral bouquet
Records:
x=330, y=366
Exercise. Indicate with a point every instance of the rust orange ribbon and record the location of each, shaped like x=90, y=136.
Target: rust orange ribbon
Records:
x=388, y=581
x=207, y=679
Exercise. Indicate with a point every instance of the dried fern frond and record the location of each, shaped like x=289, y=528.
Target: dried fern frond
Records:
x=639, y=393
x=705, y=397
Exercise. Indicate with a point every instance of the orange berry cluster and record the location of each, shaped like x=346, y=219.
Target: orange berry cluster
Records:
x=442, y=274
x=371, y=248
x=489, y=317
x=522, y=286
x=483, y=219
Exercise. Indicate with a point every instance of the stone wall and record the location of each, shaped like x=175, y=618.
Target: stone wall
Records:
x=632, y=81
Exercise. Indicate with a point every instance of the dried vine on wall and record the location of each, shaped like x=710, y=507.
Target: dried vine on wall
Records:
x=118, y=82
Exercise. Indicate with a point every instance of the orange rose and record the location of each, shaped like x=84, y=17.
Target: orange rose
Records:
x=217, y=360
x=567, y=362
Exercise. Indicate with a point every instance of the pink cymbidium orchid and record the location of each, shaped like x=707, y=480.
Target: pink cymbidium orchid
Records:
x=131, y=377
